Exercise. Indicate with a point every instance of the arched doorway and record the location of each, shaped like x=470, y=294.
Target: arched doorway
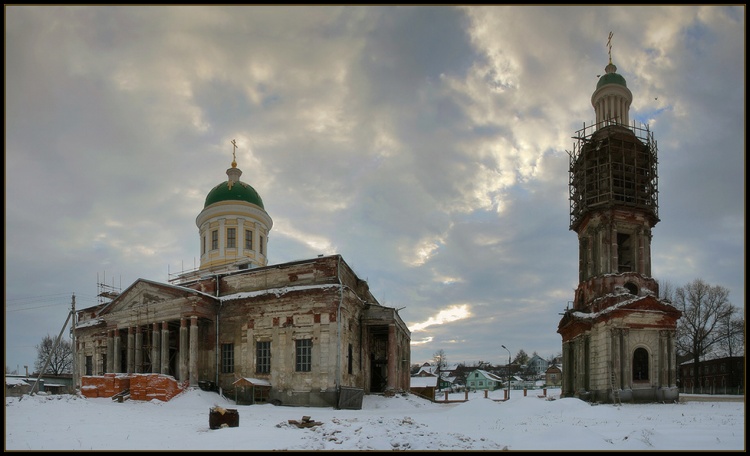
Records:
x=640, y=365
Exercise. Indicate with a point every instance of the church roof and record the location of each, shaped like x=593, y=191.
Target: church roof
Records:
x=239, y=191
x=611, y=77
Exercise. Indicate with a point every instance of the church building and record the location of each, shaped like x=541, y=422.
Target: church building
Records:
x=308, y=332
x=618, y=339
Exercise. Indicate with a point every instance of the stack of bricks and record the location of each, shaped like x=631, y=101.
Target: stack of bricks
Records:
x=145, y=387
x=106, y=385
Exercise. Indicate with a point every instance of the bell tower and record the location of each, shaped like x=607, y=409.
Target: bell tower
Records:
x=611, y=337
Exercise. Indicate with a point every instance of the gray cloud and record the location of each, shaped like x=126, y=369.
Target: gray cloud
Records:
x=425, y=144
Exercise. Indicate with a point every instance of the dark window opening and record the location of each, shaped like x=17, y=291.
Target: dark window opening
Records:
x=624, y=253
x=89, y=365
x=632, y=288
x=640, y=364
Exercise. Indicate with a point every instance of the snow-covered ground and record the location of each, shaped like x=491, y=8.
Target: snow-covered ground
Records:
x=403, y=422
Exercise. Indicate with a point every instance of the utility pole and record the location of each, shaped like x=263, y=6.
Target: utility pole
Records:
x=508, y=370
x=51, y=354
x=75, y=345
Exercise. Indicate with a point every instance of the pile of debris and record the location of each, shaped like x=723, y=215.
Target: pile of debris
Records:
x=305, y=423
x=220, y=417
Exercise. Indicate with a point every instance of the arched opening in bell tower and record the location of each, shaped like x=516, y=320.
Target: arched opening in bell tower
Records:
x=640, y=365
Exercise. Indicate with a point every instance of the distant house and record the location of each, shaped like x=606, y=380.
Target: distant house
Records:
x=480, y=379
x=49, y=384
x=553, y=375
x=537, y=365
x=715, y=376
x=445, y=374
x=17, y=387
x=517, y=382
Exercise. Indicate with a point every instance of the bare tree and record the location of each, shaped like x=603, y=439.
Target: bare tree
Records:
x=704, y=308
x=732, y=330
x=666, y=290
x=441, y=361
x=60, y=357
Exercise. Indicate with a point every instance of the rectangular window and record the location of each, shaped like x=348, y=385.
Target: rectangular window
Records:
x=260, y=250
x=263, y=357
x=248, y=240
x=89, y=365
x=215, y=240
x=303, y=350
x=231, y=238
x=204, y=246
x=227, y=358
x=624, y=253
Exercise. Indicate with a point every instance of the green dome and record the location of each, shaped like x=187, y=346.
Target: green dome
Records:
x=611, y=78
x=240, y=191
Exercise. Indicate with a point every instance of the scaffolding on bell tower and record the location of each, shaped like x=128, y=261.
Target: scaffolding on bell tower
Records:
x=613, y=165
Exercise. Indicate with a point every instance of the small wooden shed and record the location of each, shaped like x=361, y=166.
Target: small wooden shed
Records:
x=248, y=391
x=424, y=386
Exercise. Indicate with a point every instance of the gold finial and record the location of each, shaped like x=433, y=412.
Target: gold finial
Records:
x=609, y=45
x=234, y=157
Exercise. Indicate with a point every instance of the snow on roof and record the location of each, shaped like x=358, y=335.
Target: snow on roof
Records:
x=593, y=315
x=276, y=291
x=89, y=323
x=10, y=381
x=423, y=382
x=253, y=381
x=489, y=375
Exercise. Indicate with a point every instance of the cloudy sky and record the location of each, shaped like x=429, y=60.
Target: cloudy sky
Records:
x=427, y=145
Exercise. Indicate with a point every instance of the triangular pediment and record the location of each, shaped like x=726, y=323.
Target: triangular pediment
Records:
x=574, y=322
x=649, y=303
x=145, y=296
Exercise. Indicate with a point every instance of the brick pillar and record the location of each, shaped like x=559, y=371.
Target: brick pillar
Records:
x=138, y=350
x=183, y=371
x=165, y=348
x=193, y=359
x=155, y=349
x=110, y=352
x=392, y=357
x=131, y=347
x=117, y=358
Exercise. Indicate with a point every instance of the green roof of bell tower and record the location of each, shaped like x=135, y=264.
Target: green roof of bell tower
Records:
x=611, y=77
x=233, y=189
x=239, y=191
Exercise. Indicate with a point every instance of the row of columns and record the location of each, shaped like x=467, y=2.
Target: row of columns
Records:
x=612, y=109
x=188, y=350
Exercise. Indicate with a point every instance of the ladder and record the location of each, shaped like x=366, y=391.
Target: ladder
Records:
x=613, y=385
